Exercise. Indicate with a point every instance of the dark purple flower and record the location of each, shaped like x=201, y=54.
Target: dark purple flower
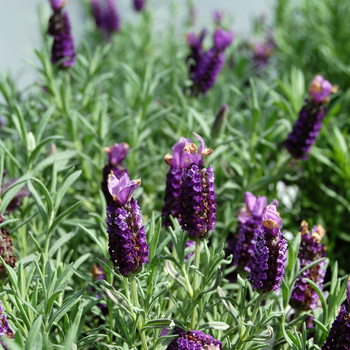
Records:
x=126, y=234
x=339, y=334
x=198, y=206
x=5, y=330
x=116, y=154
x=309, y=123
x=196, y=46
x=304, y=297
x=270, y=255
x=139, y=5
x=249, y=227
x=176, y=162
x=16, y=201
x=6, y=249
x=106, y=16
x=194, y=340
x=212, y=62
x=220, y=120
x=59, y=28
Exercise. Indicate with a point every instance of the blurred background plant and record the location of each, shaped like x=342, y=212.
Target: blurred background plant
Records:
x=133, y=87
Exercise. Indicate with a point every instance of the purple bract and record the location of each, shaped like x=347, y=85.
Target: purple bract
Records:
x=126, y=234
x=270, y=254
x=198, y=206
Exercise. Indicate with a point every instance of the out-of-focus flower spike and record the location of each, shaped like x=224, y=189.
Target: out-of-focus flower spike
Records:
x=196, y=46
x=139, y=5
x=309, y=123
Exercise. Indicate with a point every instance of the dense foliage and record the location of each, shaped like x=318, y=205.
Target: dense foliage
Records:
x=131, y=84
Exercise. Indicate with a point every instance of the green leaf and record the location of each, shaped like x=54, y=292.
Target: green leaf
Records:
x=33, y=332
x=64, y=215
x=60, y=242
x=220, y=326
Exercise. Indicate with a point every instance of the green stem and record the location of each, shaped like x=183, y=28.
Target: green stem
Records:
x=135, y=301
x=195, y=283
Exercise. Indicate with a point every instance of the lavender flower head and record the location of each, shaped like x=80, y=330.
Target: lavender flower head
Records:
x=339, y=334
x=6, y=249
x=173, y=189
x=198, y=206
x=309, y=123
x=59, y=28
x=16, y=201
x=194, y=340
x=217, y=16
x=212, y=62
x=196, y=46
x=249, y=227
x=116, y=154
x=139, y=5
x=106, y=16
x=304, y=297
x=270, y=254
x=126, y=234
x=5, y=330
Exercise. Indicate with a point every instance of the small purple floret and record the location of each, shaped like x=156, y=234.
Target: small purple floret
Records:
x=198, y=206
x=173, y=189
x=270, y=254
x=320, y=89
x=196, y=46
x=5, y=330
x=139, y=5
x=194, y=340
x=106, y=16
x=126, y=234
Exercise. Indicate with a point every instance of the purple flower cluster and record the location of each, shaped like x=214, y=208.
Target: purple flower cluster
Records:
x=211, y=62
x=139, y=5
x=339, y=334
x=309, y=123
x=116, y=154
x=59, y=28
x=198, y=206
x=196, y=46
x=16, y=201
x=194, y=340
x=6, y=249
x=5, y=330
x=270, y=254
x=173, y=189
x=106, y=16
x=304, y=297
x=249, y=227
x=126, y=234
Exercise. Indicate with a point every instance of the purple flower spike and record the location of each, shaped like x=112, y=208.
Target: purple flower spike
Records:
x=320, y=89
x=309, y=123
x=173, y=189
x=212, y=62
x=270, y=254
x=304, y=297
x=59, y=28
x=106, y=16
x=139, y=5
x=196, y=46
x=249, y=228
x=339, y=334
x=16, y=201
x=198, y=206
x=126, y=234
x=217, y=16
x=5, y=330
x=262, y=53
x=194, y=340
x=116, y=154
x=6, y=249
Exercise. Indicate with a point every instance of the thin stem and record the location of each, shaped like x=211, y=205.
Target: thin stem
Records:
x=135, y=301
x=195, y=283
